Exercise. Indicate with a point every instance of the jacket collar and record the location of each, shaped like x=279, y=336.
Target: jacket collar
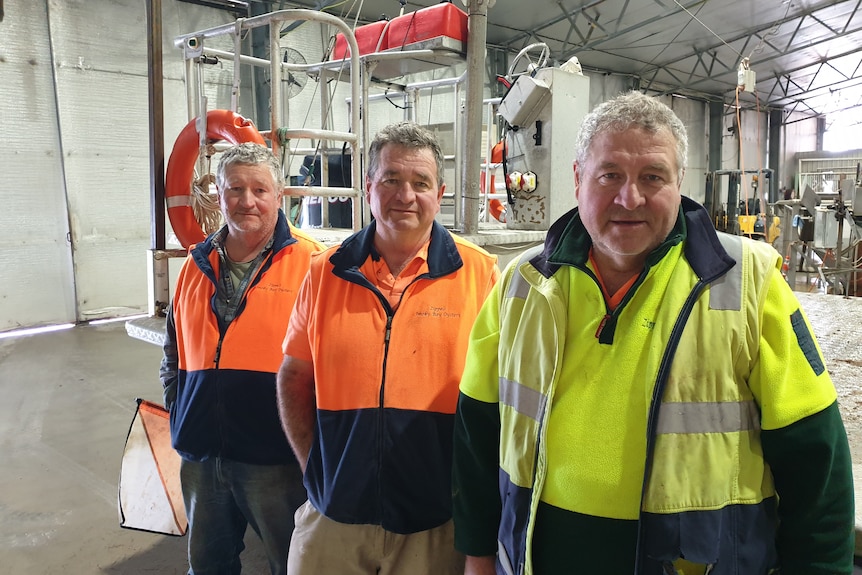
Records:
x=443, y=255
x=568, y=243
x=703, y=249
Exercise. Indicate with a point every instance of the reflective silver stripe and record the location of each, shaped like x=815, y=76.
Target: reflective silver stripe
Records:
x=526, y=401
x=708, y=417
x=726, y=292
x=178, y=201
x=505, y=563
x=518, y=287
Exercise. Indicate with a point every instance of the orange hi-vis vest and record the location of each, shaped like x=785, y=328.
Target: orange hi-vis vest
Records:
x=226, y=402
x=387, y=382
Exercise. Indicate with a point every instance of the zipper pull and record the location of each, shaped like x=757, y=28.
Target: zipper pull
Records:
x=602, y=325
x=217, y=353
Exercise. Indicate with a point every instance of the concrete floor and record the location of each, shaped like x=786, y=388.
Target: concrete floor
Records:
x=68, y=401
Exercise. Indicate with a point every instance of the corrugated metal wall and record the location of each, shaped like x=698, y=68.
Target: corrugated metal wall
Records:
x=102, y=110
x=695, y=115
x=35, y=256
x=73, y=79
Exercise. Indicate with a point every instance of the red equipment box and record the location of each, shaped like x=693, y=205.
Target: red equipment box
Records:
x=444, y=19
x=367, y=37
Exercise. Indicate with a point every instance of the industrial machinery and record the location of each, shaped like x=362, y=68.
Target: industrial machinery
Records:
x=823, y=247
x=543, y=111
x=743, y=213
x=816, y=234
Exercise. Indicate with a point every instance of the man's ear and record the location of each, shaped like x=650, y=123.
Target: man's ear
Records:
x=577, y=175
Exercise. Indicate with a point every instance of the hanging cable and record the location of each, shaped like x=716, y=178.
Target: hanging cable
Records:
x=672, y=41
x=762, y=180
x=707, y=28
x=386, y=97
x=771, y=32
x=744, y=184
x=509, y=196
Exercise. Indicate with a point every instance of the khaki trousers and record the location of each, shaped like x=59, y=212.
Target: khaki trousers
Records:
x=321, y=546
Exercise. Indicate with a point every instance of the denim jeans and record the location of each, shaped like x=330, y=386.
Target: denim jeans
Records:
x=222, y=497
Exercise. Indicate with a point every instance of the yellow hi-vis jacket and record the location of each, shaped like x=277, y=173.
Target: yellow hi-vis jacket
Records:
x=702, y=335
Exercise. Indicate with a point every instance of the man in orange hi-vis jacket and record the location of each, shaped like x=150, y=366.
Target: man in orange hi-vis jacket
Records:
x=229, y=312
x=369, y=383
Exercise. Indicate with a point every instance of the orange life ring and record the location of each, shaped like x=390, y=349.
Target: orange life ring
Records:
x=221, y=125
x=495, y=207
x=498, y=210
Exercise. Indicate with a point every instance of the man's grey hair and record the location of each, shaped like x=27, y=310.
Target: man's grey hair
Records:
x=250, y=154
x=628, y=110
x=409, y=135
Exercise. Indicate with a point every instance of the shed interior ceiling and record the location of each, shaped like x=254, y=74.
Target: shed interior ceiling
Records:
x=805, y=53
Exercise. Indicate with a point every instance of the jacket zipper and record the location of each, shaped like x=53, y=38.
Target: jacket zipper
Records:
x=218, y=351
x=387, y=334
x=217, y=357
x=380, y=413
x=655, y=404
x=608, y=313
x=612, y=314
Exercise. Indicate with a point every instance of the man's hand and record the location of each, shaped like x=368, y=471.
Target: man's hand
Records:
x=480, y=565
x=296, y=405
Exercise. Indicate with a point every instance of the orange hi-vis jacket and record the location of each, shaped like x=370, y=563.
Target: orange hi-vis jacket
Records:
x=387, y=382
x=226, y=402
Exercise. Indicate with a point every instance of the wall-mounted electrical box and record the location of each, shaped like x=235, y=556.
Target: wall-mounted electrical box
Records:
x=525, y=100
x=545, y=114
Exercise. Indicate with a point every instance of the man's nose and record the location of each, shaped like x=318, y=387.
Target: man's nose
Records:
x=246, y=198
x=405, y=192
x=629, y=195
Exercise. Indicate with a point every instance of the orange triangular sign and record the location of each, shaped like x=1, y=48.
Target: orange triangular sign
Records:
x=150, y=497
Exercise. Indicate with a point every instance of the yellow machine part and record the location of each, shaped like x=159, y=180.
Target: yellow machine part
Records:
x=747, y=223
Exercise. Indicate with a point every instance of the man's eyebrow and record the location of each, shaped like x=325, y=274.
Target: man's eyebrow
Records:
x=655, y=166
x=659, y=167
x=420, y=175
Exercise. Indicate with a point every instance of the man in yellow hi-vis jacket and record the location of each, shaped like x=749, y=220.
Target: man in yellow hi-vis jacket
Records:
x=643, y=394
